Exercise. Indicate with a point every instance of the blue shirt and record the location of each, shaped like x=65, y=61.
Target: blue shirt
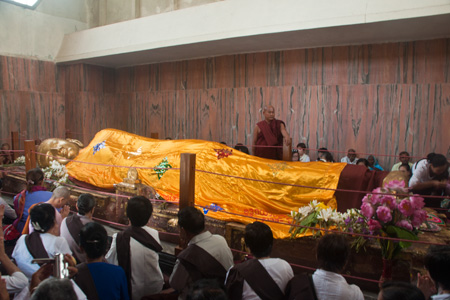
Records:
x=31, y=199
x=110, y=281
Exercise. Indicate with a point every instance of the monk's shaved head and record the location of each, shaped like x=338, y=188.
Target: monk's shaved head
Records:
x=267, y=107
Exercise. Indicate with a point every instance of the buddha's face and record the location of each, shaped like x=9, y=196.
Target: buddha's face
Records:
x=57, y=149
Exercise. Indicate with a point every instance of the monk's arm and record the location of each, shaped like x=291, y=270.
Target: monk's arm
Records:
x=287, y=138
x=255, y=138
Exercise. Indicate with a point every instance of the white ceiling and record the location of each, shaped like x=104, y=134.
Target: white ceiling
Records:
x=128, y=46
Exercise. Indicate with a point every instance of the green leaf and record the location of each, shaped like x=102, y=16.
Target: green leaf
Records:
x=401, y=233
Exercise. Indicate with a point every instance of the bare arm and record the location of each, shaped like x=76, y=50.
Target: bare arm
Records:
x=287, y=138
x=255, y=138
x=435, y=184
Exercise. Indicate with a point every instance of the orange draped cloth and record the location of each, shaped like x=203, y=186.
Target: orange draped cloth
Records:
x=252, y=186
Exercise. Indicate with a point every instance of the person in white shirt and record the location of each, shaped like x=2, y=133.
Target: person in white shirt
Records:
x=45, y=234
x=350, y=158
x=430, y=174
x=206, y=255
x=303, y=157
x=146, y=276
x=404, y=159
x=437, y=281
x=71, y=226
x=332, y=254
x=262, y=275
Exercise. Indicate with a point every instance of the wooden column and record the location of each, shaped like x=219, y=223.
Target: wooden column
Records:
x=287, y=150
x=30, y=155
x=187, y=180
x=15, y=144
x=154, y=135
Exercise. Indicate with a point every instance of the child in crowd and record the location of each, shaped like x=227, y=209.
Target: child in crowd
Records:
x=262, y=277
x=332, y=254
x=295, y=156
x=303, y=157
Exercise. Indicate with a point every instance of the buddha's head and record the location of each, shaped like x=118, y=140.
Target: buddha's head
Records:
x=58, y=149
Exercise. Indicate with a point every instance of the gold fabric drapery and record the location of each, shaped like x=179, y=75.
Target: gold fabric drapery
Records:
x=260, y=195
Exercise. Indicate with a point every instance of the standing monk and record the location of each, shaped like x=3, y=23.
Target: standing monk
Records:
x=270, y=132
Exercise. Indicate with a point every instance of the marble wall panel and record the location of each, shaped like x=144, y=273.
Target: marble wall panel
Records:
x=21, y=74
x=85, y=78
x=34, y=115
x=90, y=112
x=378, y=99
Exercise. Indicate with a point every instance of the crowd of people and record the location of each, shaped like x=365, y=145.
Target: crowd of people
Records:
x=128, y=265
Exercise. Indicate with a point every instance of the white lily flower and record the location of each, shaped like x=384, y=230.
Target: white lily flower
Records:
x=325, y=214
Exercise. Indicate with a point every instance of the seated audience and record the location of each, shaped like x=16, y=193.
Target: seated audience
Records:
x=324, y=155
x=437, y=281
x=60, y=198
x=71, y=226
x=15, y=280
x=206, y=289
x=404, y=159
x=206, y=256
x=301, y=147
x=136, y=250
x=241, y=148
x=295, y=156
x=362, y=162
x=350, y=158
x=33, y=194
x=400, y=291
x=5, y=155
x=332, y=255
x=406, y=170
x=44, y=242
x=262, y=277
x=97, y=279
x=373, y=163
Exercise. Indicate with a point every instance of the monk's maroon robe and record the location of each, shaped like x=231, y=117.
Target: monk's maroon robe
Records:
x=269, y=135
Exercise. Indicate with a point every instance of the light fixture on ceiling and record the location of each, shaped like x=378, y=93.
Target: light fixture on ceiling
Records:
x=24, y=3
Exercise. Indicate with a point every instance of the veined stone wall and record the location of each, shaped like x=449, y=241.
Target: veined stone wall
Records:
x=378, y=99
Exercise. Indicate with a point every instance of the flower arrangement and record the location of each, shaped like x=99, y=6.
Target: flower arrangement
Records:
x=393, y=212
x=58, y=172
x=317, y=214
x=20, y=160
